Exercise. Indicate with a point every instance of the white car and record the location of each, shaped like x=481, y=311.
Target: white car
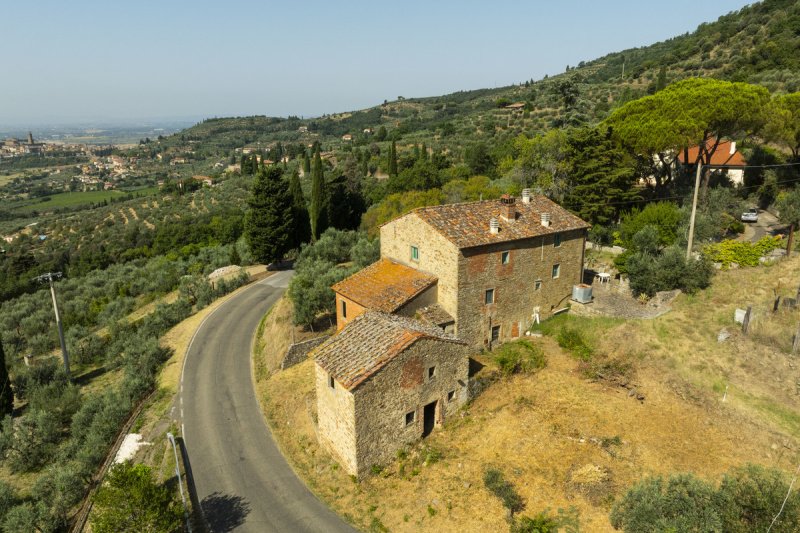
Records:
x=751, y=215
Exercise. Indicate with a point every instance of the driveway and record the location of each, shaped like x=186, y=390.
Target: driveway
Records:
x=767, y=224
x=241, y=479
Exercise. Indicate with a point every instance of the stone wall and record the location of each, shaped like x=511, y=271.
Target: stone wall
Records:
x=514, y=284
x=403, y=386
x=437, y=255
x=336, y=422
x=427, y=297
x=298, y=352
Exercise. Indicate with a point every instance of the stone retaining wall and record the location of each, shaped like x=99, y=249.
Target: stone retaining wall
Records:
x=298, y=352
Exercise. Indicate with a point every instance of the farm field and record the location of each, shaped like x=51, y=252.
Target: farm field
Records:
x=74, y=199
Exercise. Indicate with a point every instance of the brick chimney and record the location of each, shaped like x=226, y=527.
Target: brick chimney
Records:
x=507, y=208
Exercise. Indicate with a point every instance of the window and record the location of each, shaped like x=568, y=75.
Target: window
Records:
x=537, y=285
x=410, y=418
x=431, y=372
x=489, y=297
x=495, y=333
x=344, y=309
x=505, y=257
x=451, y=395
x=556, y=240
x=414, y=253
x=556, y=270
x=331, y=382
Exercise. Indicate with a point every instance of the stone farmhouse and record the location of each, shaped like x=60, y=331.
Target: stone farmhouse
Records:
x=485, y=269
x=385, y=381
x=452, y=279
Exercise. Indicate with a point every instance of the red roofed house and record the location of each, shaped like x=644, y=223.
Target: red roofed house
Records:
x=726, y=158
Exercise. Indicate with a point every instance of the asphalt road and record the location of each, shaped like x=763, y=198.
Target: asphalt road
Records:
x=241, y=479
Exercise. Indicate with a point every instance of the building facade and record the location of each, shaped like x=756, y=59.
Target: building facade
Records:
x=383, y=382
x=500, y=265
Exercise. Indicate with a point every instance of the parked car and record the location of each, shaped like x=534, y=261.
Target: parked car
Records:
x=751, y=215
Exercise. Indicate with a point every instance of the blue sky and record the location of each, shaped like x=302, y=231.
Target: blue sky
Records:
x=80, y=61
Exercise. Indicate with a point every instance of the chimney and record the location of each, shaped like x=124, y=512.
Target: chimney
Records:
x=494, y=226
x=545, y=219
x=733, y=147
x=507, y=208
x=526, y=196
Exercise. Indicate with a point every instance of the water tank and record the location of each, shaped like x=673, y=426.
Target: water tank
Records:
x=582, y=293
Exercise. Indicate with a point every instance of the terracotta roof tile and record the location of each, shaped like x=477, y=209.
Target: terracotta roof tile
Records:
x=369, y=342
x=384, y=285
x=722, y=156
x=435, y=314
x=467, y=224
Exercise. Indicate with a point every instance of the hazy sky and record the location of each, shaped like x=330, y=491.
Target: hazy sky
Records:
x=90, y=60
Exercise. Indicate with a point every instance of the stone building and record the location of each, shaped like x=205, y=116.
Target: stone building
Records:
x=385, y=286
x=451, y=279
x=498, y=263
x=385, y=381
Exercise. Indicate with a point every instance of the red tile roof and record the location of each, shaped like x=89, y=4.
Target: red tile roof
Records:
x=384, y=285
x=721, y=157
x=467, y=224
x=370, y=342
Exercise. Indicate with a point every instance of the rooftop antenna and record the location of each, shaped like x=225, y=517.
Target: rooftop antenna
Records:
x=49, y=277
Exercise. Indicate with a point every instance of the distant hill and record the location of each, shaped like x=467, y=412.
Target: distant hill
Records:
x=758, y=44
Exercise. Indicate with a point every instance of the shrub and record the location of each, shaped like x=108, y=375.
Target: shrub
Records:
x=574, y=342
x=741, y=252
x=544, y=522
x=650, y=274
x=664, y=217
x=519, y=356
x=131, y=500
x=750, y=496
x=681, y=503
x=496, y=483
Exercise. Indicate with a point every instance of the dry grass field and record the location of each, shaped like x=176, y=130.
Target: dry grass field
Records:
x=565, y=440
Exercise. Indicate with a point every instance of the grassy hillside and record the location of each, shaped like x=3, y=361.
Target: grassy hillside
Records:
x=758, y=44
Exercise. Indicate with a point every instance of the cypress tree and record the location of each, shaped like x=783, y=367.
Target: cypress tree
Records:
x=268, y=223
x=302, y=225
x=6, y=394
x=306, y=163
x=393, y=159
x=318, y=197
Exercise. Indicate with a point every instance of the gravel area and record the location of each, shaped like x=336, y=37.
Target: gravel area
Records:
x=615, y=299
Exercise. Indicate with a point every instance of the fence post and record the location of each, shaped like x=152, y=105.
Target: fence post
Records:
x=746, y=321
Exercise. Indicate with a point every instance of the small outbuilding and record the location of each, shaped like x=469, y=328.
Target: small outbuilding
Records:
x=385, y=381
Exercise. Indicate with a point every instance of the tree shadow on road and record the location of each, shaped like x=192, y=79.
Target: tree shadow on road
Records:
x=224, y=512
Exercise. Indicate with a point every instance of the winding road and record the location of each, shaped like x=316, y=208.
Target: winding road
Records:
x=241, y=479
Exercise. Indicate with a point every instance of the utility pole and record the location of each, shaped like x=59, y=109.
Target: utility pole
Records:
x=50, y=276
x=694, y=211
